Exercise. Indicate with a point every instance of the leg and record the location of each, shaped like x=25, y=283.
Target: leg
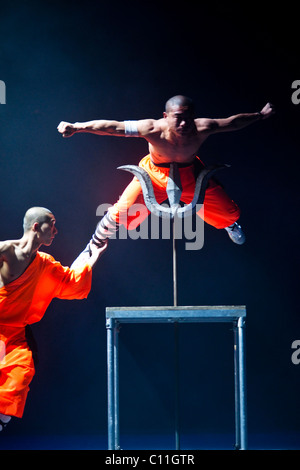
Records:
x=218, y=209
x=122, y=214
x=16, y=373
x=221, y=212
x=130, y=210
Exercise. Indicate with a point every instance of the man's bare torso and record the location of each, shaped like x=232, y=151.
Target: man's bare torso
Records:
x=166, y=147
x=13, y=261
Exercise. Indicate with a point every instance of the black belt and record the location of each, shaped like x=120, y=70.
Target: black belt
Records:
x=198, y=165
x=180, y=165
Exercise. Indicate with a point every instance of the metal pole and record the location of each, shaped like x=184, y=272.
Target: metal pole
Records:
x=236, y=388
x=174, y=265
x=242, y=383
x=177, y=432
x=116, y=386
x=176, y=342
x=110, y=383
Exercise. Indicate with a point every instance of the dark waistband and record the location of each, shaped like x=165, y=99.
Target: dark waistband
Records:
x=180, y=165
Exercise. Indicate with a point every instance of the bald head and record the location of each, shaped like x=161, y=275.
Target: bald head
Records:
x=36, y=214
x=181, y=101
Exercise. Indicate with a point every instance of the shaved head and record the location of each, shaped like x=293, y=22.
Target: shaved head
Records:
x=179, y=100
x=35, y=214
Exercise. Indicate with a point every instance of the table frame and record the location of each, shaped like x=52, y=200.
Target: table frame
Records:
x=182, y=314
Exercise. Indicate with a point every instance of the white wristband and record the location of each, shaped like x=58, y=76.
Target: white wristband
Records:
x=131, y=129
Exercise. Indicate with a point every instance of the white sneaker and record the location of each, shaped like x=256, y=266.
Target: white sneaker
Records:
x=236, y=233
x=4, y=420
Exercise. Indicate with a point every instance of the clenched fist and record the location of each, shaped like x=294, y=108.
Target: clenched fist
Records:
x=267, y=111
x=66, y=129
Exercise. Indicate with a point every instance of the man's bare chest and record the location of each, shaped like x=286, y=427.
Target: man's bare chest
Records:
x=9, y=271
x=169, y=151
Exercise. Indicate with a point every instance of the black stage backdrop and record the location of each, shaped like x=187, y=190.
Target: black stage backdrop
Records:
x=122, y=60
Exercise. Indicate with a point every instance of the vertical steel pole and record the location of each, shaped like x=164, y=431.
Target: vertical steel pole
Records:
x=177, y=432
x=116, y=387
x=110, y=325
x=242, y=382
x=174, y=265
x=236, y=387
x=176, y=341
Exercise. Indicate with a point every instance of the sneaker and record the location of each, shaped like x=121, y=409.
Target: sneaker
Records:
x=236, y=233
x=4, y=420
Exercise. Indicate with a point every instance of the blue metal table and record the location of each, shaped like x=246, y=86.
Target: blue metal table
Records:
x=179, y=314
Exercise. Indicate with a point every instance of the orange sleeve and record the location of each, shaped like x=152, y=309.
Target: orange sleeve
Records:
x=25, y=300
x=66, y=283
x=75, y=283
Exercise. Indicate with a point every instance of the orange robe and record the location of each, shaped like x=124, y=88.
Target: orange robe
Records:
x=23, y=302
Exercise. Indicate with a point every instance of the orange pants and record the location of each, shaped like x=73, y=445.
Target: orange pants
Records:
x=16, y=370
x=218, y=209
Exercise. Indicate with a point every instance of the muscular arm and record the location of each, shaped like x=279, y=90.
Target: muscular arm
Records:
x=100, y=127
x=237, y=121
x=105, y=127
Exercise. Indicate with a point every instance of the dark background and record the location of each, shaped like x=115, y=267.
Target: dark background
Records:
x=123, y=60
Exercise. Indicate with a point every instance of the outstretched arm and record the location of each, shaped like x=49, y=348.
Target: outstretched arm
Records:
x=100, y=127
x=105, y=127
x=96, y=253
x=90, y=256
x=238, y=121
